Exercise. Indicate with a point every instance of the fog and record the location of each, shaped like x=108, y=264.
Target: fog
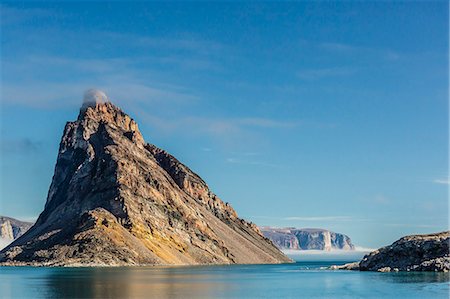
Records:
x=333, y=255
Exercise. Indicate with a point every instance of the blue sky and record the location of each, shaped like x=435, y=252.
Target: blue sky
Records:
x=307, y=114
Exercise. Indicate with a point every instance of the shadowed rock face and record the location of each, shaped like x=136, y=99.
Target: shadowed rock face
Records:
x=115, y=200
x=307, y=239
x=410, y=253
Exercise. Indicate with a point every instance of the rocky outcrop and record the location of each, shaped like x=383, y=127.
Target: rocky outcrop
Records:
x=307, y=239
x=116, y=200
x=11, y=228
x=410, y=253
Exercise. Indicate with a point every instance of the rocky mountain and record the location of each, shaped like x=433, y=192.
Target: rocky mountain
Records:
x=117, y=200
x=11, y=228
x=411, y=253
x=307, y=239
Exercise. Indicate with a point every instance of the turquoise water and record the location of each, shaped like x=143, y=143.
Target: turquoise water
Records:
x=299, y=280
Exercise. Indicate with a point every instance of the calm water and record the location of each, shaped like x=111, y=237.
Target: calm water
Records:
x=300, y=280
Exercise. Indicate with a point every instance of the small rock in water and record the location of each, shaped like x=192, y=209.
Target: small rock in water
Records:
x=349, y=266
x=384, y=269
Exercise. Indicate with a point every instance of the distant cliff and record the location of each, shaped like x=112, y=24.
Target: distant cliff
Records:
x=307, y=239
x=11, y=228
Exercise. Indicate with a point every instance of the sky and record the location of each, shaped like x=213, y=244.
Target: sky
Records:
x=300, y=114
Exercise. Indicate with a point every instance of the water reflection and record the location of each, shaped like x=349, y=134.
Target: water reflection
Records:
x=414, y=277
x=134, y=283
x=306, y=280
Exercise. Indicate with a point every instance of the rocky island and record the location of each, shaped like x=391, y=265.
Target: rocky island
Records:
x=117, y=200
x=307, y=239
x=411, y=253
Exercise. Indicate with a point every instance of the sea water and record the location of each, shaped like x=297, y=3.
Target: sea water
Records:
x=307, y=279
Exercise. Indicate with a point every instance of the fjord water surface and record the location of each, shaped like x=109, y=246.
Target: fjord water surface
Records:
x=299, y=280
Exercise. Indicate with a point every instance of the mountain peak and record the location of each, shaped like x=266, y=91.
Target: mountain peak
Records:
x=115, y=200
x=98, y=110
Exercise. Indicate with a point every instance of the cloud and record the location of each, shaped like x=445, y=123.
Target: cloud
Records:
x=312, y=218
x=246, y=154
x=358, y=249
x=381, y=199
x=229, y=133
x=216, y=126
x=408, y=225
x=445, y=181
x=266, y=122
x=185, y=43
x=123, y=63
x=383, y=222
x=130, y=50
x=20, y=146
x=315, y=74
x=256, y=163
x=91, y=65
x=319, y=218
x=333, y=255
x=338, y=47
x=52, y=94
x=346, y=48
x=145, y=73
x=14, y=16
x=356, y=51
x=376, y=200
x=146, y=93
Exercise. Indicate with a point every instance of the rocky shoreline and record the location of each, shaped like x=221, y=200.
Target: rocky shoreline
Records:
x=411, y=253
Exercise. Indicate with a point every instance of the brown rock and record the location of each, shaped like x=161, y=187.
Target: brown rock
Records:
x=411, y=253
x=115, y=200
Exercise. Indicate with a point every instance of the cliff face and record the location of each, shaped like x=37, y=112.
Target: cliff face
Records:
x=411, y=253
x=307, y=239
x=115, y=200
x=11, y=228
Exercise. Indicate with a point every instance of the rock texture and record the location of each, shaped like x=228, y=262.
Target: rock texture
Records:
x=307, y=239
x=11, y=228
x=410, y=253
x=116, y=200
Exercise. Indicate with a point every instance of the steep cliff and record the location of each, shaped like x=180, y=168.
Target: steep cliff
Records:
x=116, y=200
x=307, y=239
